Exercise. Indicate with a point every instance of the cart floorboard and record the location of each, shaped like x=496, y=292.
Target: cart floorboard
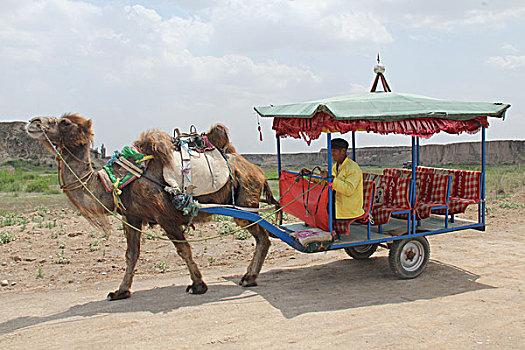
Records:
x=394, y=229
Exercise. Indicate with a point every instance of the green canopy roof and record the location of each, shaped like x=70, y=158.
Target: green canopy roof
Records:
x=385, y=106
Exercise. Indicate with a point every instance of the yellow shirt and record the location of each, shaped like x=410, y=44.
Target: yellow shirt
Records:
x=348, y=187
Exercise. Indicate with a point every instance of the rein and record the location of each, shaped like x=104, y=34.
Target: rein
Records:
x=60, y=160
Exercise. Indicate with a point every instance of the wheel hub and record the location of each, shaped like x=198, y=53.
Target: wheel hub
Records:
x=412, y=255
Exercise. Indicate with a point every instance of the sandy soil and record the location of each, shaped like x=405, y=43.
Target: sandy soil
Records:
x=470, y=296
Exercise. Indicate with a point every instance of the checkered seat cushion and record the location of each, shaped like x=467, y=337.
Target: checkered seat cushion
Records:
x=391, y=196
x=465, y=188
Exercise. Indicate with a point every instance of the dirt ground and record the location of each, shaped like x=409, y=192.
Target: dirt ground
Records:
x=58, y=271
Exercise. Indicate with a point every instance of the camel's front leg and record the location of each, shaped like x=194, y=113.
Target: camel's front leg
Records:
x=198, y=286
x=174, y=232
x=132, y=256
x=262, y=245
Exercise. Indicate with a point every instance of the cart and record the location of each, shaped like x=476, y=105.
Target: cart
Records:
x=402, y=206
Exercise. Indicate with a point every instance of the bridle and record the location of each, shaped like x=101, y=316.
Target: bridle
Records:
x=82, y=180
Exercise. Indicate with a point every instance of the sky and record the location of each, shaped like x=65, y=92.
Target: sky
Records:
x=136, y=65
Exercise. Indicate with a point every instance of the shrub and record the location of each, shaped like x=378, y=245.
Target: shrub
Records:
x=38, y=185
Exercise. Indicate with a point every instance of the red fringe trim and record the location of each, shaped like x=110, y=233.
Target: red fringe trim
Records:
x=310, y=129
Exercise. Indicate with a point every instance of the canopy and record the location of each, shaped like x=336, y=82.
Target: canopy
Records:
x=380, y=112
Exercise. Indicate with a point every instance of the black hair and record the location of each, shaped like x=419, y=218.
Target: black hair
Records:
x=339, y=143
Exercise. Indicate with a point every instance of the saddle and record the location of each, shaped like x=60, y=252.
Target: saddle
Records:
x=123, y=168
x=196, y=166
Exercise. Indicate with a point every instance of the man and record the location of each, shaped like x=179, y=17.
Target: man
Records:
x=347, y=182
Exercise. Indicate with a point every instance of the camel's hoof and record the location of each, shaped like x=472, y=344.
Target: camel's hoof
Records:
x=197, y=288
x=247, y=282
x=117, y=296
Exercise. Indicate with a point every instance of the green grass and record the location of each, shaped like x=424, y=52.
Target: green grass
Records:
x=162, y=266
x=6, y=237
x=18, y=176
x=511, y=205
x=503, y=182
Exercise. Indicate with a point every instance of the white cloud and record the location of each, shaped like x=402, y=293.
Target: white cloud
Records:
x=123, y=64
x=313, y=26
x=447, y=15
x=509, y=62
x=510, y=47
x=141, y=64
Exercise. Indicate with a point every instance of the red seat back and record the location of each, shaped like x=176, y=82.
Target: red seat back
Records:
x=309, y=206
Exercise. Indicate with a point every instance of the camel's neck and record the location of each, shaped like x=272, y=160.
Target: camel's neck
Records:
x=79, y=161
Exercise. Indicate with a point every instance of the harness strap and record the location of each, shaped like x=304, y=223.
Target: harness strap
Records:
x=87, y=176
x=231, y=174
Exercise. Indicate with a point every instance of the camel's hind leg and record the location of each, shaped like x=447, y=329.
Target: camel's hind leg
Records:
x=132, y=256
x=262, y=244
x=184, y=250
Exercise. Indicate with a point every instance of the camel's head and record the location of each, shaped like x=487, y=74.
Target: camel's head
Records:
x=70, y=130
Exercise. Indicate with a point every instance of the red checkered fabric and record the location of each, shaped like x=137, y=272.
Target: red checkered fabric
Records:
x=343, y=226
x=431, y=192
x=405, y=173
x=431, y=188
x=391, y=196
x=465, y=188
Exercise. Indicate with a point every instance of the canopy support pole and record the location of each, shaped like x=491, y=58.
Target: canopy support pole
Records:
x=483, y=160
x=412, y=223
x=353, y=146
x=278, y=139
x=417, y=144
x=278, y=156
x=330, y=192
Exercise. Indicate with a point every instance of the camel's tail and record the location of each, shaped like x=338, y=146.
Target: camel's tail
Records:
x=270, y=199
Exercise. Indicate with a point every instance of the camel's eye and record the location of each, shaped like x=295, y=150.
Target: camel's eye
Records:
x=64, y=122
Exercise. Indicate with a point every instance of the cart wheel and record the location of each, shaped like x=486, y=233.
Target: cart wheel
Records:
x=408, y=257
x=361, y=252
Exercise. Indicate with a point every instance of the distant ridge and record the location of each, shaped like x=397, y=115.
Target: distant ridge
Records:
x=15, y=144
x=506, y=152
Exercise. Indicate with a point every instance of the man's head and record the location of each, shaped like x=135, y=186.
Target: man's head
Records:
x=339, y=148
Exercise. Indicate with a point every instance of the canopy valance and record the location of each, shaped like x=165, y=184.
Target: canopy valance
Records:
x=381, y=112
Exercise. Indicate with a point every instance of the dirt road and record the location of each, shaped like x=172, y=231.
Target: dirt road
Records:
x=472, y=295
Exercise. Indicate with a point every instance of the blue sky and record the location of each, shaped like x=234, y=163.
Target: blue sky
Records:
x=136, y=65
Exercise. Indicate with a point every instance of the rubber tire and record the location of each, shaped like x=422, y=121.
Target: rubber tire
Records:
x=398, y=260
x=361, y=252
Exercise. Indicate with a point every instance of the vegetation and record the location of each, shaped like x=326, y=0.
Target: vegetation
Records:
x=6, y=237
x=162, y=266
x=503, y=182
x=17, y=176
x=61, y=258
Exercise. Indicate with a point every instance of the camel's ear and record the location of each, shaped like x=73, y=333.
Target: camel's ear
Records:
x=87, y=124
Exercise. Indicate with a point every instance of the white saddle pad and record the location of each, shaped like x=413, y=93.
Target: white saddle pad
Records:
x=204, y=172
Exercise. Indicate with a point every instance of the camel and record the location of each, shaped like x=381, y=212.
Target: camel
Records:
x=145, y=201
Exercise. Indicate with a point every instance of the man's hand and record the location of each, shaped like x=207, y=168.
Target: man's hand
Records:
x=324, y=173
x=304, y=172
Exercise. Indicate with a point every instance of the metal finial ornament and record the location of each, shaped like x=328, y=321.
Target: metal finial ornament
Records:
x=379, y=68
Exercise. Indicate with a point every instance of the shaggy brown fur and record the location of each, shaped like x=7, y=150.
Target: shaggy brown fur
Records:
x=218, y=136
x=145, y=201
